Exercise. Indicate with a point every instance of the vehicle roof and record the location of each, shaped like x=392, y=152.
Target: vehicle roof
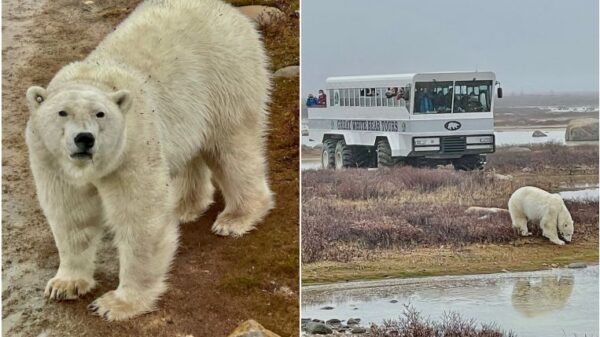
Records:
x=398, y=79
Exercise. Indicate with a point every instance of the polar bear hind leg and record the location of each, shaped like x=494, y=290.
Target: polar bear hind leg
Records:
x=239, y=168
x=195, y=190
x=549, y=230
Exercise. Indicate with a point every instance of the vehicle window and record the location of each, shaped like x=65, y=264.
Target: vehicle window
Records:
x=433, y=97
x=472, y=96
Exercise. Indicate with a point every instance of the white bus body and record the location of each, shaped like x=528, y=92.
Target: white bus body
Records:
x=419, y=119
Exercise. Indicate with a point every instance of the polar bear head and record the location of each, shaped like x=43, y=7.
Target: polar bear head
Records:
x=79, y=126
x=564, y=221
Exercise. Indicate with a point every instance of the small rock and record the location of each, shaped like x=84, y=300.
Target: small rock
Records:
x=287, y=72
x=527, y=169
x=582, y=129
x=503, y=177
x=327, y=308
x=538, y=133
x=262, y=14
x=353, y=321
x=576, y=265
x=358, y=329
x=44, y=334
x=484, y=210
x=252, y=328
x=554, y=265
x=394, y=301
x=318, y=321
x=88, y=3
x=518, y=149
x=317, y=328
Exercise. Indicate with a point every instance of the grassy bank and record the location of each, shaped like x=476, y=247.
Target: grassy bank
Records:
x=407, y=222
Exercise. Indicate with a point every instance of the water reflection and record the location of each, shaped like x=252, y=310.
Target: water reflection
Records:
x=534, y=297
x=557, y=302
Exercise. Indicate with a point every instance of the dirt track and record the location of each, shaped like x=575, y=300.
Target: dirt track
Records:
x=216, y=283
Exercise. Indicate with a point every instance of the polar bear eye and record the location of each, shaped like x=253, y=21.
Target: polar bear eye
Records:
x=62, y=113
x=100, y=114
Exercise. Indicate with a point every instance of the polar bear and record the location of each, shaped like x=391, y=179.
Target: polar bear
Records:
x=534, y=204
x=130, y=138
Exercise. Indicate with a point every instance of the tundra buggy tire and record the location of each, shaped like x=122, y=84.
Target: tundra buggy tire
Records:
x=328, y=154
x=384, y=154
x=344, y=156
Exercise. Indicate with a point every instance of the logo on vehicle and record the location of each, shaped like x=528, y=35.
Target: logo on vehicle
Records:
x=452, y=125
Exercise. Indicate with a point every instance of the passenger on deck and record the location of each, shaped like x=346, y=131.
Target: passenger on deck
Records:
x=311, y=101
x=322, y=98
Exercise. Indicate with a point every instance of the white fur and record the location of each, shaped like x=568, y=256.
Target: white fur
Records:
x=549, y=210
x=184, y=88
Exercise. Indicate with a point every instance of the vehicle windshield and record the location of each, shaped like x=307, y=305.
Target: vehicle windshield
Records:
x=473, y=96
x=433, y=97
x=437, y=97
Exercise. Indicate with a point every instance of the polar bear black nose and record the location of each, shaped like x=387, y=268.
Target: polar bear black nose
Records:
x=84, y=141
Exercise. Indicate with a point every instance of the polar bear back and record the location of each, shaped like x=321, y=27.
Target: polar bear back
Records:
x=202, y=65
x=534, y=202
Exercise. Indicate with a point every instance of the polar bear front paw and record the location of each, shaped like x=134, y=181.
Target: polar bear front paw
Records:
x=60, y=289
x=229, y=225
x=558, y=242
x=113, y=308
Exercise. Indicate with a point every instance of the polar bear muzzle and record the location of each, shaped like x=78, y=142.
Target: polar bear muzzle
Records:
x=84, y=142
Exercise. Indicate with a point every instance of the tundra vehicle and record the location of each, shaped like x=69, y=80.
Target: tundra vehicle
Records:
x=424, y=119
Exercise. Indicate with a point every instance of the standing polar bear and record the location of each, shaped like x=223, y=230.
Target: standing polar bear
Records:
x=534, y=204
x=130, y=138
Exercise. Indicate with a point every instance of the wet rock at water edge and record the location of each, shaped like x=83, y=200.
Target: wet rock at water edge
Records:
x=358, y=329
x=317, y=328
x=582, y=129
x=539, y=133
x=333, y=321
x=576, y=265
x=353, y=321
x=327, y=308
x=394, y=301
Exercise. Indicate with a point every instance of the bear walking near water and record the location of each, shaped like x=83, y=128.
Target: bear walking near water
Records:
x=131, y=139
x=547, y=209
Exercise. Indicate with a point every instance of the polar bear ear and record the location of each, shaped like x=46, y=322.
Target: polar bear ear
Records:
x=35, y=96
x=122, y=98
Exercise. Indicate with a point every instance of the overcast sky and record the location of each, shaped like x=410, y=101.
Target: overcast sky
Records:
x=533, y=46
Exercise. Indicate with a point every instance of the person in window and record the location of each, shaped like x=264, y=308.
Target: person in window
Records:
x=322, y=101
x=311, y=101
x=426, y=104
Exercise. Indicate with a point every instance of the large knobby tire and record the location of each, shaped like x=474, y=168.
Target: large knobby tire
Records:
x=344, y=156
x=328, y=154
x=469, y=163
x=384, y=154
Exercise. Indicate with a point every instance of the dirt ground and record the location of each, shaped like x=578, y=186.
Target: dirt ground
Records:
x=216, y=283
